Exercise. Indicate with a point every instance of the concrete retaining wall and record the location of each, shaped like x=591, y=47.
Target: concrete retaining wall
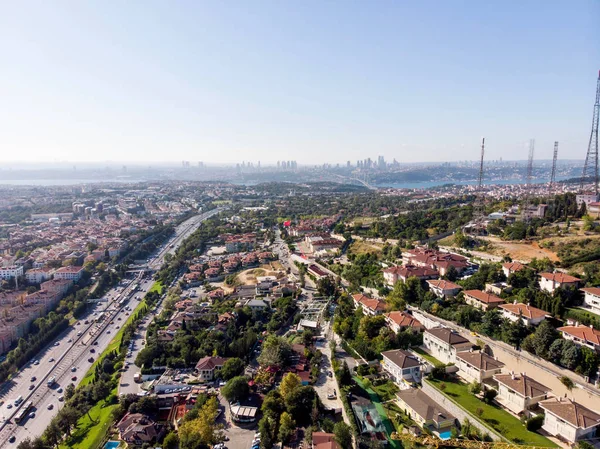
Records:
x=459, y=412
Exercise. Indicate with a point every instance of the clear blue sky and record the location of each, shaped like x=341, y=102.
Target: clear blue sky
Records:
x=314, y=81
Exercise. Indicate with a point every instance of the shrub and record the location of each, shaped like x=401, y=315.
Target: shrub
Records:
x=535, y=423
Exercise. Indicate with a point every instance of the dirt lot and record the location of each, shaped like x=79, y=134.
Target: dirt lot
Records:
x=523, y=251
x=248, y=277
x=363, y=247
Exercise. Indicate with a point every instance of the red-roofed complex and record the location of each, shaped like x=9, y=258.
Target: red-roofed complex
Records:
x=482, y=300
x=443, y=289
x=436, y=260
x=551, y=281
x=398, y=321
x=369, y=305
x=402, y=273
x=582, y=335
x=528, y=314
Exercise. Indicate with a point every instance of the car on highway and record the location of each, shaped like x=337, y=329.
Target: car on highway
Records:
x=92, y=350
x=9, y=406
x=61, y=398
x=57, y=343
x=36, y=362
x=70, y=340
x=12, y=439
x=74, y=378
x=91, y=359
x=51, y=359
x=108, y=331
x=33, y=379
x=60, y=390
x=95, y=343
x=50, y=406
x=73, y=369
x=31, y=387
x=31, y=415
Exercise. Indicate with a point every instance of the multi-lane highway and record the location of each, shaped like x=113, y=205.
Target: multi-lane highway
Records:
x=69, y=357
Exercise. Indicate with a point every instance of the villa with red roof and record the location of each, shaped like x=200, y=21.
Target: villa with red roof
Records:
x=549, y=282
x=591, y=299
x=509, y=268
x=582, y=335
x=443, y=289
x=528, y=314
x=402, y=273
x=398, y=321
x=482, y=300
x=369, y=305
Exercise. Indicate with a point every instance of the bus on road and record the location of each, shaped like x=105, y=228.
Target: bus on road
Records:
x=21, y=414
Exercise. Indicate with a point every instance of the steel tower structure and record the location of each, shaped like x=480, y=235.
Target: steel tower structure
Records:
x=530, y=162
x=480, y=182
x=590, y=168
x=553, y=173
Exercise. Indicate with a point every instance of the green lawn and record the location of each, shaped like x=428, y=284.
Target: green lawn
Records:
x=386, y=391
x=431, y=359
x=89, y=434
x=395, y=444
x=495, y=417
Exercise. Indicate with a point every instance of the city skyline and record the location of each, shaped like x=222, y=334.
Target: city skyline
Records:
x=314, y=83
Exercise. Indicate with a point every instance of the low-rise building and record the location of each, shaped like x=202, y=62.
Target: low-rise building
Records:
x=322, y=440
x=582, y=335
x=569, y=421
x=509, y=268
x=71, y=273
x=549, y=282
x=209, y=367
x=402, y=273
x=519, y=392
x=444, y=343
x=138, y=429
x=398, y=321
x=369, y=305
x=526, y=313
x=426, y=412
x=402, y=366
x=477, y=366
x=14, y=271
x=482, y=300
x=591, y=299
x=38, y=275
x=443, y=289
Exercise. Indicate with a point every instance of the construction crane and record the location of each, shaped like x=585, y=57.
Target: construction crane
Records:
x=433, y=442
x=553, y=173
x=591, y=158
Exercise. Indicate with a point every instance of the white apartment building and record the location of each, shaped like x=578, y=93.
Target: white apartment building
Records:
x=11, y=272
x=402, y=366
x=551, y=281
x=591, y=299
x=519, y=392
x=38, y=275
x=569, y=420
x=444, y=344
x=69, y=273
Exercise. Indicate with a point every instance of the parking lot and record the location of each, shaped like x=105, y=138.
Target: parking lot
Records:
x=239, y=437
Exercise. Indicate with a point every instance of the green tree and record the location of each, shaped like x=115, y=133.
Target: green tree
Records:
x=287, y=427
x=289, y=383
x=171, y=441
x=343, y=435
x=299, y=404
x=567, y=382
x=544, y=337
x=276, y=352
x=232, y=367
x=236, y=389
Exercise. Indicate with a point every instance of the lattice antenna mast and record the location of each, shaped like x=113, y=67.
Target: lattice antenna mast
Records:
x=553, y=173
x=530, y=162
x=591, y=158
x=480, y=182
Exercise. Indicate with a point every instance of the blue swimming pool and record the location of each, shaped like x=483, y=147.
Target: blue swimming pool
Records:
x=111, y=445
x=446, y=435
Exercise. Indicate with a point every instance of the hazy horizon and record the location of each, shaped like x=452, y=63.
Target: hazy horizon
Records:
x=312, y=82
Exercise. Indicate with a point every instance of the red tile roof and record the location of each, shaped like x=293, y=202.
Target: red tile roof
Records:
x=486, y=298
x=524, y=309
x=588, y=334
x=561, y=278
x=403, y=319
x=369, y=303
